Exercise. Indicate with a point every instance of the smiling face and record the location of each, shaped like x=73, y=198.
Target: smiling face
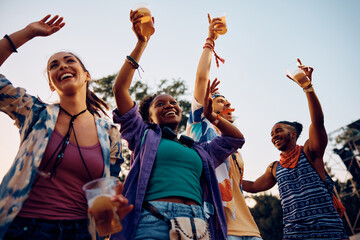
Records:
x=165, y=111
x=220, y=104
x=283, y=137
x=66, y=73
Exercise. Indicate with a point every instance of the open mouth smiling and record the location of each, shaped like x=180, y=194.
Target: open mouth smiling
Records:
x=66, y=76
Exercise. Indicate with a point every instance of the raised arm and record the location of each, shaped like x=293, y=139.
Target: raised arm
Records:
x=44, y=27
x=202, y=74
x=225, y=127
x=123, y=80
x=263, y=183
x=315, y=146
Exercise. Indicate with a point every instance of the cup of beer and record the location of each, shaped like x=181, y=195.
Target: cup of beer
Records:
x=221, y=29
x=147, y=25
x=298, y=75
x=98, y=193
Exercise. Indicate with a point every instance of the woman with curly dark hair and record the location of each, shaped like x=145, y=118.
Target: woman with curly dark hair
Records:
x=169, y=177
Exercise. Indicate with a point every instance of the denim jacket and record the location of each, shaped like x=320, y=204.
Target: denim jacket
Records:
x=36, y=122
x=142, y=159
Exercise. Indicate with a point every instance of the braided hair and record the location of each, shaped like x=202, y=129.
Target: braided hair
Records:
x=295, y=125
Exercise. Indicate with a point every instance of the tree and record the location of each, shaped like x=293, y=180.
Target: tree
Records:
x=139, y=90
x=267, y=214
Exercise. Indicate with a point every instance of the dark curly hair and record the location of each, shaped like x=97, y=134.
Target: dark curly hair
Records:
x=296, y=125
x=145, y=105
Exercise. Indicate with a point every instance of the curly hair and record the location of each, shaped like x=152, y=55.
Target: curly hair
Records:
x=296, y=125
x=145, y=105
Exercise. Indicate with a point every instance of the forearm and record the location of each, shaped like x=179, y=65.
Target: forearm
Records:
x=18, y=39
x=248, y=186
x=316, y=113
x=255, y=187
x=225, y=127
x=202, y=75
x=124, y=78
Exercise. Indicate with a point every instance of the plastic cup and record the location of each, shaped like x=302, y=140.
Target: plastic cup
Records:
x=222, y=15
x=98, y=193
x=147, y=25
x=298, y=75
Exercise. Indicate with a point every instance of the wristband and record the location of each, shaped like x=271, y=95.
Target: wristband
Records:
x=11, y=43
x=308, y=89
x=216, y=121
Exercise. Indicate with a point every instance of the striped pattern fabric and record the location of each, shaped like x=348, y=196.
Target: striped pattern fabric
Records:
x=308, y=210
x=36, y=122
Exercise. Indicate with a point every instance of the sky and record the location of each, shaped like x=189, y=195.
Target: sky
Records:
x=263, y=38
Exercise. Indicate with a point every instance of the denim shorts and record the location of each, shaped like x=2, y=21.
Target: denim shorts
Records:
x=31, y=228
x=150, y=227
x=243, y=238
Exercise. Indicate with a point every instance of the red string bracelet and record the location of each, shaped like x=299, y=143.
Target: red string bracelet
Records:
x=217, y=58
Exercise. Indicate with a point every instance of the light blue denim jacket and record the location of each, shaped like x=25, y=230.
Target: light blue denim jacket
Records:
x=142, y=159
x=36, y=122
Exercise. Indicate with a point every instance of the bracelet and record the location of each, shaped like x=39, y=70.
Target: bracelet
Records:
x=11, y=43
x=132, y=61
x=217, y=58
x=212, y=41
x=216, y=121
x=309, y=89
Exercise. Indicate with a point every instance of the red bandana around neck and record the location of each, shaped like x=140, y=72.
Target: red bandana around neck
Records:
x=290, y=160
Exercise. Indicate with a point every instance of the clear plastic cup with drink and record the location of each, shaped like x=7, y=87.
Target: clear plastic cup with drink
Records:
x=147, y=25
x=297, y=74
x=98, y=193
x=221, y=29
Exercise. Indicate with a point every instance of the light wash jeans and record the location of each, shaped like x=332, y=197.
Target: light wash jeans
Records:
x=151, y=228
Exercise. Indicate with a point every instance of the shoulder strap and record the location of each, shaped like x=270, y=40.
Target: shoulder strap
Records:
x=155, y=212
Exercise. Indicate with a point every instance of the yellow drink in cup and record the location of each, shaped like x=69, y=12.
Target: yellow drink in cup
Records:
x=98, y=193
x=223, y=29
x=104, y=213
x=298, y=75
x=301, y=78
x=147, y=26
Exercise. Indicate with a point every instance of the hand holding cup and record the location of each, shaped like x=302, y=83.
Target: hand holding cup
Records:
x=300, y=74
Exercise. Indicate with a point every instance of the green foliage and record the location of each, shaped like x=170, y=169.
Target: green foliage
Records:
x=267, y=214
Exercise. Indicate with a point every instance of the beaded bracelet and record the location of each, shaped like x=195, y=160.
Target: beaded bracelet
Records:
x=11, y=43
x=134, y=63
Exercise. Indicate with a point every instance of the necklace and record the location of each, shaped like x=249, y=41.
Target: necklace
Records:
x=62, y=146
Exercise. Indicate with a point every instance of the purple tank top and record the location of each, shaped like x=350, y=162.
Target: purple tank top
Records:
x=62, y=197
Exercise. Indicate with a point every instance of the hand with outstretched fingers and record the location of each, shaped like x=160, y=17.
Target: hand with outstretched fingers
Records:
x=46, y=27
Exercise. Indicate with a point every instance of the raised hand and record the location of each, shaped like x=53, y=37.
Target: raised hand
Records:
x=215, y=25
x=208, y=108
x=308, y=70
x=213, y=86
x=302, y=78
x=135, y=18
x=46, y=27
